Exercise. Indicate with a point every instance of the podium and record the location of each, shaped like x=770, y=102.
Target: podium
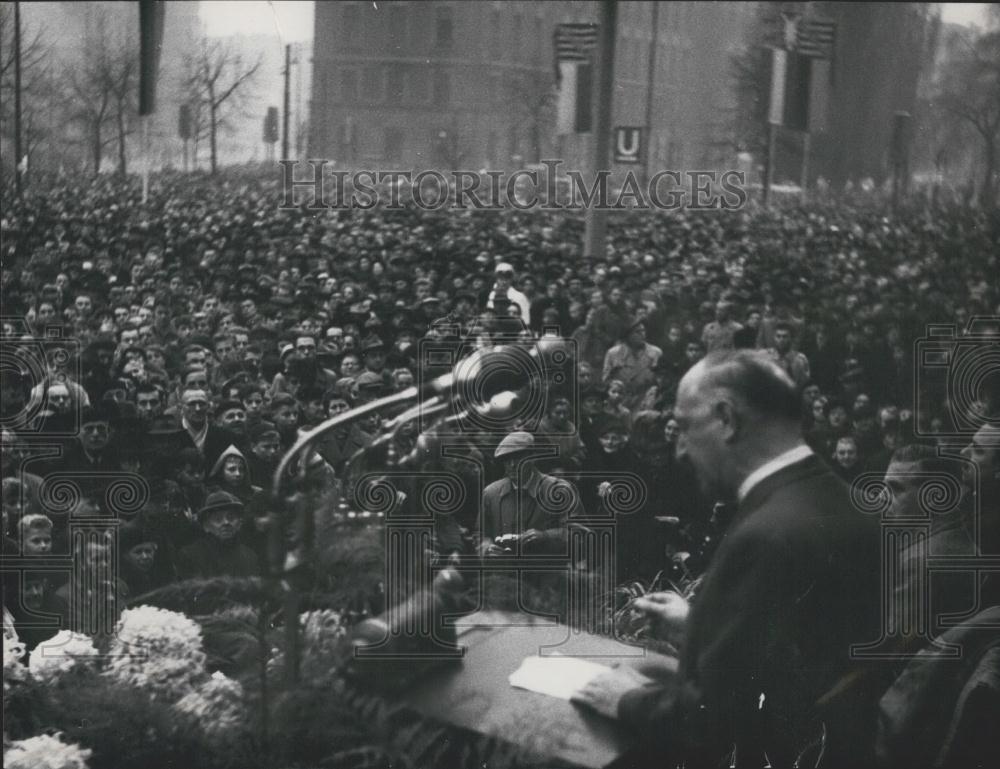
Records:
x=475, y=694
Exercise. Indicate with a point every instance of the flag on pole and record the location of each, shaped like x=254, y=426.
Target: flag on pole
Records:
x=819, y=95
x=776, y=106
x=815, y=38
x=573, y=45
x=798, y=77
x=150, y=42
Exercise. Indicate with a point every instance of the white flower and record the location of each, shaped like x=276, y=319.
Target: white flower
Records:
x=321, y=627
x=158, y=650
x=218, y=706
x=45, y=752
x=13, y=668
x=64, y=651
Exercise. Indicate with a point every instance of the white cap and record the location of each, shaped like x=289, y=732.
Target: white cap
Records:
x=504, y=267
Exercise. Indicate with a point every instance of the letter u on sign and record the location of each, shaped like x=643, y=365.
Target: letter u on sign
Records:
x=628, y=144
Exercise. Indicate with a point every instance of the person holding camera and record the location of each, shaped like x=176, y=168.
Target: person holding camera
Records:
x=525, y=511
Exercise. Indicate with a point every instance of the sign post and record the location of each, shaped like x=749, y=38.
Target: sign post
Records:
x=628, y=144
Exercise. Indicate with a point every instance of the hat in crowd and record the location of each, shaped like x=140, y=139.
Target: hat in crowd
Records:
x=633, y=324
x=517, y=442
x=372, y=342
x=612, y=424
x=101, y=411
x=259, y=430
x=504, y=268
x=133, y=534
x=367, y=382
x=218, y=500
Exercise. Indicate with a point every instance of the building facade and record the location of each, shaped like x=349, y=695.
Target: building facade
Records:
x=471, y=85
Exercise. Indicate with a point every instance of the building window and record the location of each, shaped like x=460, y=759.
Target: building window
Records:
x=444, y=28
x=416, y=83
x=352, y=26
x=397, y=25
x=393, y=144
x=373, y=84
x=497, y=95
x=349, y=86
x=492, y=148
x=442, y=89
x=513, y=143
x=397, y=83
x=496, y=36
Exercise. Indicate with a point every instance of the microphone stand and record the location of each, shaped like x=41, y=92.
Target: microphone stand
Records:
x=276, y=532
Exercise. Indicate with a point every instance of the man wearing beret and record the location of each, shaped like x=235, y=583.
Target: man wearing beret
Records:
x=526, y=511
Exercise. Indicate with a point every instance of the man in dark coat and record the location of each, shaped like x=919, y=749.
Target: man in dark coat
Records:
x=529, y=509
x=792, y=587
x=219, y=553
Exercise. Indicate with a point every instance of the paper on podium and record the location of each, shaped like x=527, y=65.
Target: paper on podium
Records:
x=555, y=676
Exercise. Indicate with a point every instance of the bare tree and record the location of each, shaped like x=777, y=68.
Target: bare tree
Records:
x=35, y=85
x=970, y=90
x=218, y=76
x=90, y=100
x=101, y=91
x=122, y=72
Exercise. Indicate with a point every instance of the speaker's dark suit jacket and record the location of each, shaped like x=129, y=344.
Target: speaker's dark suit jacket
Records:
x=793, y=584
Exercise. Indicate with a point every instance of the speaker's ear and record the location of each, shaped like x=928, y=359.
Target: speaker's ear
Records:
x=728, y=417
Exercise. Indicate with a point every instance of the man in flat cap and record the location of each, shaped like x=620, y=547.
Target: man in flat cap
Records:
x=526, y=511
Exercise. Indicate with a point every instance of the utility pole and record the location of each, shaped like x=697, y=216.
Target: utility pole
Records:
x=594, y=244
x=17, y=99
x=651, y=80
x=285, y=122
x=299, y=144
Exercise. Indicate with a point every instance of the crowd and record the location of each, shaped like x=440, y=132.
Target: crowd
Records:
x=190, y=340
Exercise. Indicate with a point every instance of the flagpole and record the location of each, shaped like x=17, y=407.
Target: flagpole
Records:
x=769, y=162
x=804, y=180
x=650, y=81
x=595, y=234
x=145, y=157
x=17, y=100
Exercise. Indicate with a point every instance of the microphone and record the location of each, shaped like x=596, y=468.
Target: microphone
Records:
x=499, y=408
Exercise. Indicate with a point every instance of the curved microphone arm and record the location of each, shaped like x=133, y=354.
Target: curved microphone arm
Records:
x=404, y=396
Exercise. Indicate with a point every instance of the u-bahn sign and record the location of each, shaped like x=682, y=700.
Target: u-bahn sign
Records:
x=628, y=144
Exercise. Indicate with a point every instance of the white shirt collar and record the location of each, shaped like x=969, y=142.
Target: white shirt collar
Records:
x=780, y=462
x=198, y=436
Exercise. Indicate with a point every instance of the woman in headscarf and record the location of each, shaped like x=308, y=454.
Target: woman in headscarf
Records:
x=231, y=473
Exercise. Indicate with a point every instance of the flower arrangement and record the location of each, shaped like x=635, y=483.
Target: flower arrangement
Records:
x=60, y=654
x=158, y=650
x=217, y=705
x=45, y=752
x=13, y=669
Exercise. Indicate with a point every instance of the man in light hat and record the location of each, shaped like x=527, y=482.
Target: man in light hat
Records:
x=526, y=511
x=503, y=288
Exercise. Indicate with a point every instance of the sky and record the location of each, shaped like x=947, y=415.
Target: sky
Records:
x=233, y=17
x=965, y=13
x=295, y=17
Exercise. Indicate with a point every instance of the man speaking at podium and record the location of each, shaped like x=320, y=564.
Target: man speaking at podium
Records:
x=765, y=665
